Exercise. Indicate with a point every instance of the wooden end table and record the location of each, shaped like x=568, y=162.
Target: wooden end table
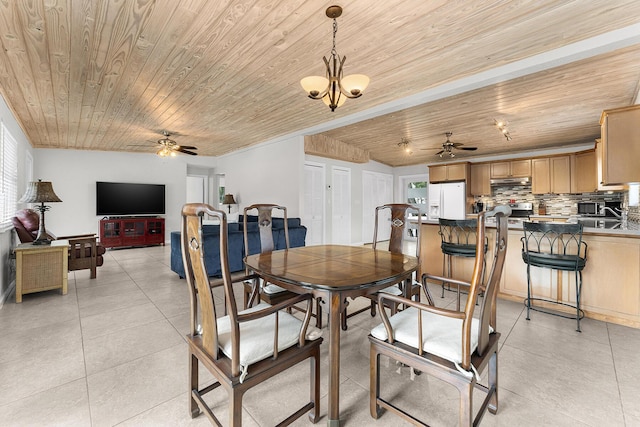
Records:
x=41, y=267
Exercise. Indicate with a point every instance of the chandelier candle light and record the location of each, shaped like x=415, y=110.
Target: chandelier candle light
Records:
x=334, y=89
x=40, y=192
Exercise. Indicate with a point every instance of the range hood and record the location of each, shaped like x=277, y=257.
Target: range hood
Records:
x=511, y=181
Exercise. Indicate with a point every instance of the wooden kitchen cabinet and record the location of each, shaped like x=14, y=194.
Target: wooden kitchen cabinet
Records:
x=540, y=176
x=560, y=168
x=551, y=175
x=599, y=170
x=452, y=172
x=512, y=169
x=480, y=177
x=620, y=138
x=584, y=177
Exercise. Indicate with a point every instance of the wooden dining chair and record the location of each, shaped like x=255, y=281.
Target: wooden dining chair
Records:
x=243, y=348
x=454, y=346
x=398, y=223
x=268, y=292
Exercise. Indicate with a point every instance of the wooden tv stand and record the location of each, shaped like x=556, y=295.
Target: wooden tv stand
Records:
x=118, y=232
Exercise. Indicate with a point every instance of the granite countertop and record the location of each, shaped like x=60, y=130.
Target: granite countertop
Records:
x=630, y=229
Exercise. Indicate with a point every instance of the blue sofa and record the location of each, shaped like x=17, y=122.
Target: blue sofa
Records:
x=236, y=252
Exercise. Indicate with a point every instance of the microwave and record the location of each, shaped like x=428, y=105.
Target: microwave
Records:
x=589, y=208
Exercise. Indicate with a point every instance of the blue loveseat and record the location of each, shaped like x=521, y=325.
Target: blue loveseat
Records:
x=211, y=234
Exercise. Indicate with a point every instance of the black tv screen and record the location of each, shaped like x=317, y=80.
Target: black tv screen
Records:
x=119, y=198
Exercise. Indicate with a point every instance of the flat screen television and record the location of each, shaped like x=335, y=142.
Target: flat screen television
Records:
x=120, y=198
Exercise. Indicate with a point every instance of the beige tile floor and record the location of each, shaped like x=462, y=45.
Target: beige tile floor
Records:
x=112, y=352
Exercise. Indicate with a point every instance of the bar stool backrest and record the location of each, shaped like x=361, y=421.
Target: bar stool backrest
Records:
x=553, y=245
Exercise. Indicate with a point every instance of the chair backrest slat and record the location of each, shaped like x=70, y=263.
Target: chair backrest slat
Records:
x=201, y=295
x=488, y=304
x=399, y=215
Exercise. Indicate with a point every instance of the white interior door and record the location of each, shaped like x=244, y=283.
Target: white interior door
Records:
x=341, y=206
x=196, y=189
x=377, y=190
x=314, y=202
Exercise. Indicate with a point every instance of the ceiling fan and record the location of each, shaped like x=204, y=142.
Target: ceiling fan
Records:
x=168, y=147
x=448, y=147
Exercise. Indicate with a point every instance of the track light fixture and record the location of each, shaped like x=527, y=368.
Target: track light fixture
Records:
x=334, y=89
x=502, y=126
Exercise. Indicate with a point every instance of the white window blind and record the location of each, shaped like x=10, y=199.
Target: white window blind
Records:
x=8, y=177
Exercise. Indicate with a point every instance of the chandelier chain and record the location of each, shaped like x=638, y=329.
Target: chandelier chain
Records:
x=335, y=30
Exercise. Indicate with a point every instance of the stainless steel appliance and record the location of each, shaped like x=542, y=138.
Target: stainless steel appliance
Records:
x=520, y=211
x=600, y=209
x=589, y=208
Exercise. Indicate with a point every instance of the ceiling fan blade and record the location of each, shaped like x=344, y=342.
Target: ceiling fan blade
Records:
x=189, y=147
x=182, y=150
x=467, y=148
x=439, y=152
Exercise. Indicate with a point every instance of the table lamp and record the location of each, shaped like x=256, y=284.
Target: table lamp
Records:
x=40, y=192
x=228, y=200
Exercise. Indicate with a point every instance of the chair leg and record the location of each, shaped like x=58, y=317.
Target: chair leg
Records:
x=493, y=383
x=466, y=403
x=374, y=383
x=578, y=292
x=444, y=260
x=235, y=407
x=528, y=290
x=193, y=379
x=319, y=313
x=373, y=308
x=314, y=413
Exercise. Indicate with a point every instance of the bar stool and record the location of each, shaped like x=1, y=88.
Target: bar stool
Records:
x=458, y=238
x=559, y=247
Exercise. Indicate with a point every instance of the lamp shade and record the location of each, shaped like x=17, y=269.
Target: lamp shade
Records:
x=355, y=84
x=314, y=85
x=228, y=200
x=39, y=192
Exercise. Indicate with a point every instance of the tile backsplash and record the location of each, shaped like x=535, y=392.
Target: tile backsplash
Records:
x=557, y=204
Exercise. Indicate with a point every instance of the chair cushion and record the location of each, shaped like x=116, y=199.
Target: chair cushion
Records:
x=555, y=261
x=270, y=288
x=441, y=335
x=256, y=336
x=462, y=250
x=393, y=290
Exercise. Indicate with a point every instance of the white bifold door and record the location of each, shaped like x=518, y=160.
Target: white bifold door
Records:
x=340, y=206
x=377, y=189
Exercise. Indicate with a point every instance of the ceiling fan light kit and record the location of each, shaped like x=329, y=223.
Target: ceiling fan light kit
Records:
x=334, y=89
x=448, y=147
x=170, y=148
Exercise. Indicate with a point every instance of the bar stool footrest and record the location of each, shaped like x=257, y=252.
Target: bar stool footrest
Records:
x=554, y=312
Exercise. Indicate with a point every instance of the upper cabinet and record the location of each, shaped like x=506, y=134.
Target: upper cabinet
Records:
x=620, y=139
x=480, y=179
x=452, y=172
x=584, y=178
x=599, y=170
x=512, y=169
x=551, y=175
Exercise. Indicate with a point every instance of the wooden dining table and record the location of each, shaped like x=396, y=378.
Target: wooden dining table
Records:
x=334, y=273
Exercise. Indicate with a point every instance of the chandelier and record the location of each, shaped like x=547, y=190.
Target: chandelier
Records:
x=334, y=89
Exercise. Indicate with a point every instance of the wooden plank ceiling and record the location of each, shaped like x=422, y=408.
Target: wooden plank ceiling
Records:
x=223, y=75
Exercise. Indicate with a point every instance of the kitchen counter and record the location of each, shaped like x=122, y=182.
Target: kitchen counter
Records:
x=611, y=278
x=631, y=229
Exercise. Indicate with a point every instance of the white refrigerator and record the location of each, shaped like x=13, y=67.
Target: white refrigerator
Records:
x=447, y=200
